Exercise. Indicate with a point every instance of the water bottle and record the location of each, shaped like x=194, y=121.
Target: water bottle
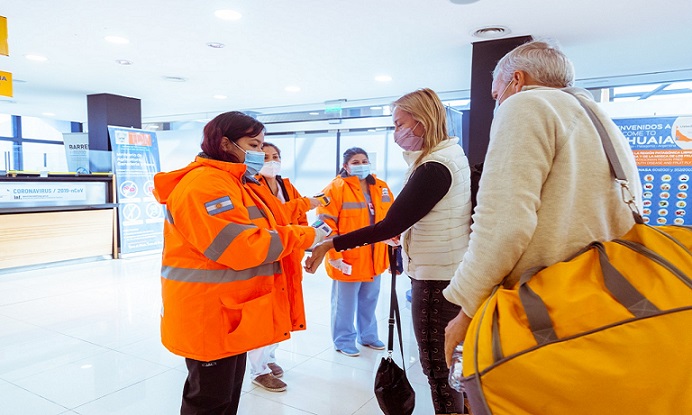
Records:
x=455, y=371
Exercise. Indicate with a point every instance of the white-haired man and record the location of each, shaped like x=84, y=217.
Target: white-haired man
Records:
x=546, y=189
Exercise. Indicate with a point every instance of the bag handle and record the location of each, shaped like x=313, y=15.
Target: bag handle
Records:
x=394, y=315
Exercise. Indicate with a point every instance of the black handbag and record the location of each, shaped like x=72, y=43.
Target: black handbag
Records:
x=392, y=389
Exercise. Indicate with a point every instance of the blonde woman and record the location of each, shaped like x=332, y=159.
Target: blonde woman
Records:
x=433, y=215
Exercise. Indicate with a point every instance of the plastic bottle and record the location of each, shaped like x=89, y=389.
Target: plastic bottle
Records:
x=455, y=371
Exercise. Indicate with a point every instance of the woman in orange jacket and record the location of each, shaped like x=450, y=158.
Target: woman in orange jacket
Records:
x=223, y=288
x=264, y=370
x=358, y=199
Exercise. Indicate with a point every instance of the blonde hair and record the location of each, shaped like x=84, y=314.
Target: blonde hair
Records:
x=426, y=108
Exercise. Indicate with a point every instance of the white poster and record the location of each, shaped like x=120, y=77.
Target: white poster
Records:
x=77, y=152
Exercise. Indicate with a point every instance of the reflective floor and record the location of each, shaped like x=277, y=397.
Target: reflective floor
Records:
x=84, y=339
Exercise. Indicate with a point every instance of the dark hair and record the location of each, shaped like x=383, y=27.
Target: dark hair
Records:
x=348, y=155
x=232, y=125
x=268, y=144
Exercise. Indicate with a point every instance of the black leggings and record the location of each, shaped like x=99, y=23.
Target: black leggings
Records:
x=213, y=388
x=431, y=312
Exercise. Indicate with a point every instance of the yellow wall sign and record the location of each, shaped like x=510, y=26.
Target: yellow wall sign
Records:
x=4, y=48
x=5, y=84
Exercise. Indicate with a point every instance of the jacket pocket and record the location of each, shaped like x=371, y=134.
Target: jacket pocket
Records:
x=250, y=324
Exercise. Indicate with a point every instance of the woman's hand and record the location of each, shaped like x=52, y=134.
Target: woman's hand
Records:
x=314, y=202
x=318, y=253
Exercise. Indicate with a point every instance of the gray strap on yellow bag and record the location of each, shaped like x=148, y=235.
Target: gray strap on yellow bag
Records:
x=618, y=286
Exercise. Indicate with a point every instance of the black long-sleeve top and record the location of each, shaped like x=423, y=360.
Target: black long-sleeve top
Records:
x=428, y=184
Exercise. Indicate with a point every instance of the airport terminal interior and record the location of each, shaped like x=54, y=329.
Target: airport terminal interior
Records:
x=79, y=319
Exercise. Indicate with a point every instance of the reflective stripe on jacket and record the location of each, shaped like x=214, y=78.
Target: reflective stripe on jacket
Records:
x=349, y=211
x=223, y=289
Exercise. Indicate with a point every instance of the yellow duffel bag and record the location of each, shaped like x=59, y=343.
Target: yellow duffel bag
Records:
x=607, y=332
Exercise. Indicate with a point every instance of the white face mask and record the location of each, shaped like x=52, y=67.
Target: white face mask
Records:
x=497, y=101
x=271, y=168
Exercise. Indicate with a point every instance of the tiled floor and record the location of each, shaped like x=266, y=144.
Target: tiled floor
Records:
x=84, y=339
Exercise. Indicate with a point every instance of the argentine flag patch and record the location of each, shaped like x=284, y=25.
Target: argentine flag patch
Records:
x=219, y=205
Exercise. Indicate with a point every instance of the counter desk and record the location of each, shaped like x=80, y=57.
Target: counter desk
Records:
x=56, y=218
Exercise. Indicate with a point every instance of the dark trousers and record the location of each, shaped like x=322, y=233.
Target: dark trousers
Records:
x=430, y=313
x=213, y=388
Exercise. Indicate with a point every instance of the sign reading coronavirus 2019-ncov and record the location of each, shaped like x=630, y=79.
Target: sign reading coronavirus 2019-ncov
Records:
x=135, y=162
x=662, y=147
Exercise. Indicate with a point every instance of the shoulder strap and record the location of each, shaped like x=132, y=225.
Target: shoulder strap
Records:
x=394, y=316
x=611, y=155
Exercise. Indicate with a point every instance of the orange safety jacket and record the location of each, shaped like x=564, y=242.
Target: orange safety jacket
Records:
x=349, y=211
x=223, y=288
x=286, y=214
x=295, y=205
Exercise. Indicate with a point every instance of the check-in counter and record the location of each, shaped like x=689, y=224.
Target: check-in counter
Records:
x=56, y=218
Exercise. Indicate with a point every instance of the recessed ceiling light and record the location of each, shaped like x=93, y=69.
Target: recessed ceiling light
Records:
x=220, y=96
x=463, y=1
x=228, y=14
x=123, y=62
x=491, y=32
x=117, y=40
x=215, y=45
x=292, y=88
x=36, y=58
x=314, y=113
x=375, y=108
x=174, y=79
x=383, y=78
x=48, y=114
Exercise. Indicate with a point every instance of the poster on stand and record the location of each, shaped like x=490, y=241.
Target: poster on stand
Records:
x=77, y=152
x=140, y=216
x=662, y=147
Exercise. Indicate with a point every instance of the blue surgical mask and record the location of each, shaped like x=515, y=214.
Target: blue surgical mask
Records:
x=254, y=160
x=360, y=170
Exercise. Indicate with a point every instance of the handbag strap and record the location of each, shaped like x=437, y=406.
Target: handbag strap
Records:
x=611, y=155
x=394, y=315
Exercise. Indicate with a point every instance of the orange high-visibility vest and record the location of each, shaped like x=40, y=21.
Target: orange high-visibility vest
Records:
x=223, y=288
x=349, y=211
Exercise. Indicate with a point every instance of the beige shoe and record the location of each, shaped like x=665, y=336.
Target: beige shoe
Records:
x=270, y=383
x=276, y=370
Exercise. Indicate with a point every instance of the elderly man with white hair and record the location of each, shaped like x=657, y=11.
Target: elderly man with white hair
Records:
x=546, y=189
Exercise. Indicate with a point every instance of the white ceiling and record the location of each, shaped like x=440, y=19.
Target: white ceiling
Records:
x=331, y=49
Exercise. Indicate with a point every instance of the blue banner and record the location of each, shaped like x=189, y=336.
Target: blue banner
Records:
x=662, y=147
x=135, y=162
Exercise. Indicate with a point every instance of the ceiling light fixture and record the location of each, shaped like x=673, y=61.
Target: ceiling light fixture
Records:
x=48, y=114
x=491, y=32
x=174, y=79
x=228, y=14
x=463, y=1
x=117, y=40
x=383, y=78
x=314, y=113
x=36, y=58
x=123, y=62
x=215, y=45
x=292, y=88
x=375, y=108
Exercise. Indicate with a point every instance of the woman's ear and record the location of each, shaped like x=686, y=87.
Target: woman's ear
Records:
x=225, y=144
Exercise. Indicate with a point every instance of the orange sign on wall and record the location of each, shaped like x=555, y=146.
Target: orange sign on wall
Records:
x=4, y=48
x=5, y=84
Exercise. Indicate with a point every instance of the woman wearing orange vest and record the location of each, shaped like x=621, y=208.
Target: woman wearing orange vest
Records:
x=223, y=288
x=358, y=199
x=264, y=370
